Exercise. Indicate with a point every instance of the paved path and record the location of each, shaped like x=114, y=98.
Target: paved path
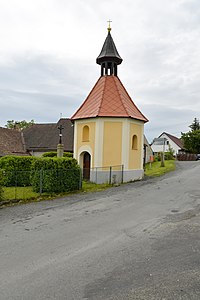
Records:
x=136, y=241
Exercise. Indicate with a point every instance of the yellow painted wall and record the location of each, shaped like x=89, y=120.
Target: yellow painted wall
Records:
x=91, y=141
x=135, y=156
x=112, y=145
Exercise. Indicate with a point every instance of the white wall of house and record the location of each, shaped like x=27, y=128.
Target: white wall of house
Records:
x=168, y=142
x=159, y=148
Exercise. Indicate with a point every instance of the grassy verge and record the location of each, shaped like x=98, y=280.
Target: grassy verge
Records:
x=26, y=194
x=155, y=169
x=93, y=187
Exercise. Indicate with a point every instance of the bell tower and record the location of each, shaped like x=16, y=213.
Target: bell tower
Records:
x=109, y=57
x=108, y=126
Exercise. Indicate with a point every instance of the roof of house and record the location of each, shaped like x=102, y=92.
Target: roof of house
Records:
x=46, y=136
x=176, y=140
x=108, y=98
x=11, y=142
x=146, y=143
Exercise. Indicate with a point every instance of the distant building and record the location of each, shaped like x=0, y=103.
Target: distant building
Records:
x=171, y=141
x=148, y=153
x=41, y=138
x=11, y=142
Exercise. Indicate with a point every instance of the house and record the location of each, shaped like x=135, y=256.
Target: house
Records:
x=109, y=127
x=36, y=139
x=148, y=153
x=171, y=142
x=11, y=142
x=41, y=138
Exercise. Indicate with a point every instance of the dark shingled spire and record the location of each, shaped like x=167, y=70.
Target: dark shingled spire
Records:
x=109, y=57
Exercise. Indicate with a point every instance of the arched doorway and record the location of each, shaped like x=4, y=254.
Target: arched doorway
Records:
x=86, y=165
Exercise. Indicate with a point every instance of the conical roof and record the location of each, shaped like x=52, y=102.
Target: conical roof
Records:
x=109, y=51
x=108, y=98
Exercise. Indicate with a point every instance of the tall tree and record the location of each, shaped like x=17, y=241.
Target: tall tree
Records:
x=11, y=124
x=195, y=125
x=191, y=139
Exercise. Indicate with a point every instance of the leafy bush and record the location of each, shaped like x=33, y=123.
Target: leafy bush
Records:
x=169, y=156
x=157, y=157
x=16, y=170
x=54, y=154
x=1, y=185
x=55, y=174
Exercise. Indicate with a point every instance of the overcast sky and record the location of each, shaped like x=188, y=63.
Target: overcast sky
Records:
x=48, y=51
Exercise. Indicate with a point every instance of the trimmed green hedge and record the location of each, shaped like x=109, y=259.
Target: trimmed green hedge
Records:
x=45, y=174
x=55, y=175
x=1, y=185
x=54, y=154
x=16, y=170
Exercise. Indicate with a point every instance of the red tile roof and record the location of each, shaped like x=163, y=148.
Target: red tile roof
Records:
x=45, y=137
x=11, y=142
x=176, y=140
x=108, y=98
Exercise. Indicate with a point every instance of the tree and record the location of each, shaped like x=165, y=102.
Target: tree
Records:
x=191, y=139
x=195, y=125
x=11, y=124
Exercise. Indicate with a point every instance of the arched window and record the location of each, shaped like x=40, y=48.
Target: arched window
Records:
x=134, y=142
x=85, y=136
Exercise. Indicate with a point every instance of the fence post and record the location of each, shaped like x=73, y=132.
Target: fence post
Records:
x=110, y=177
x=122, y=173
x=15, y=184
x=41, y=171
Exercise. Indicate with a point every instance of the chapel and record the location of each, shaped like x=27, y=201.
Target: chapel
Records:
x=108, y=126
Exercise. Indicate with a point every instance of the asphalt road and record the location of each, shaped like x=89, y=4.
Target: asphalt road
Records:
x=137, y=241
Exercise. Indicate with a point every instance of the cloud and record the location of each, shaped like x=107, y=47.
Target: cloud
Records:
x=166, y=119
x=48, y=52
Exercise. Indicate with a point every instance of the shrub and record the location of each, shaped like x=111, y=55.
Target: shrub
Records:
x=55, y=174
x=157, y=156
x=1, y=185
x=16, y=170
x=54, y=154
x=169, y=156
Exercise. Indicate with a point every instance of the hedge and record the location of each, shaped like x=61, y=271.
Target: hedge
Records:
x=16, y=170
x=54, y=154
x=1, y=185
x=55, y=175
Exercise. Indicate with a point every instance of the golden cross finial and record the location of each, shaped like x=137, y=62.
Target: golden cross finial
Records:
x=109, y=28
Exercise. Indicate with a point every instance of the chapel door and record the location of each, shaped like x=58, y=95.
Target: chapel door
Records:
x=86, y=166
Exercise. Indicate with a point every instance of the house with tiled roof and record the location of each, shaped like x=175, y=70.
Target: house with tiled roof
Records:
x=148, y=153
x=171, y=141
x=11, y=142
x=108, y=126
x=41, y=138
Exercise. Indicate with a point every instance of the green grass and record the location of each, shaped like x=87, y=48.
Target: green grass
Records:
x=93, y=187
x=155, y=169
x=26, y=194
